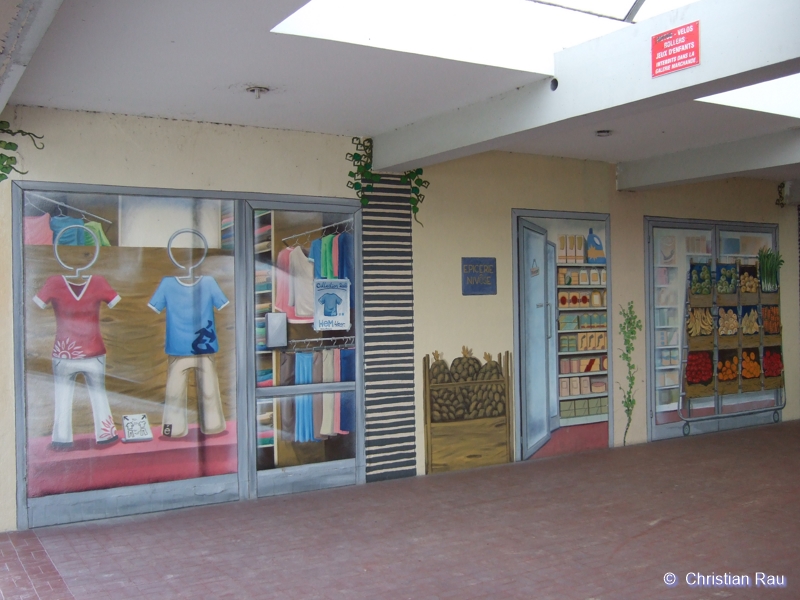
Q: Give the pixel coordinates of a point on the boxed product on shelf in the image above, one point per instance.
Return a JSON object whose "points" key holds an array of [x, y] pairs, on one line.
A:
{"points": [[575, 365], [568, 322], [598, 406], [586, 385], [581, 408], [604, 363], [601, 341], [563, 388], [574, 386], [588, 365], [562, 250], [563, 299], [583, 277], [597, 299], [671, 377], [585, 320], [594, 277], [580, 248], [566, 409], [571, 249], [564, 366], [568, 343], [599, 385]]}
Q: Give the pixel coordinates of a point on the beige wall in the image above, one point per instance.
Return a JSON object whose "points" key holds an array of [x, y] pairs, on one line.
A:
{"points": [[120, 150], [467, 212]]}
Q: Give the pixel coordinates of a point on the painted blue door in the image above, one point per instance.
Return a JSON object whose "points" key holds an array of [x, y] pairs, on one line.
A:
{"points": [[535, 326]]}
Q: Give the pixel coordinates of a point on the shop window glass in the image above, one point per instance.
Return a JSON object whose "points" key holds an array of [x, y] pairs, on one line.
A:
{"points": [[129, 351]]}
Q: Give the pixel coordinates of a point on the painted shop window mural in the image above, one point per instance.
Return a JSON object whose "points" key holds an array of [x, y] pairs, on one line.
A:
{"points": [[715, 304], [304, 275], [129, 340]]}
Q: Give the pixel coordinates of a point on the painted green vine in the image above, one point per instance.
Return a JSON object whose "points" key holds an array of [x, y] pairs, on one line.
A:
{"points": [[363, 178], [8, 163], [629, 327]]}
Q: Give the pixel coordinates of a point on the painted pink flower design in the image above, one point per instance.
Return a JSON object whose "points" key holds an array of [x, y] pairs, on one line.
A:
{"points": [[67, 349], [108, 430]]}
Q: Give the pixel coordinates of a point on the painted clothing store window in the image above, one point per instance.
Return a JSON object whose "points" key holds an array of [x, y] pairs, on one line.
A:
{"points": [[129, 340], [304, 284]]}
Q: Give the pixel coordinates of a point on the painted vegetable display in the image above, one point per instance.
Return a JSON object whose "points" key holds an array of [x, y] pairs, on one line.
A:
{"points": [[701, 280], [728, 370], [773, 365], [772, 319], [750, 367], [465, 367], [699, 368], [769, 266]]}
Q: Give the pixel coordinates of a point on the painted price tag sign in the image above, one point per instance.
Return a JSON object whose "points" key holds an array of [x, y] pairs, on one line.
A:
{"points": [[676, 49], [478, 276]]}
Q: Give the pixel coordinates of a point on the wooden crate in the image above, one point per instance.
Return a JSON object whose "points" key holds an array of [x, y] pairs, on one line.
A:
{"points": [[468, 443]]}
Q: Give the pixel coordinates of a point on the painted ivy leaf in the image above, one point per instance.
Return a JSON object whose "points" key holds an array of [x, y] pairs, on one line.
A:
{"points": [[3, 177], [418, 172], [364, 201], [357, 186], [415, 190], [356, 156], [415, 209], [5, 169], [4, 124]]}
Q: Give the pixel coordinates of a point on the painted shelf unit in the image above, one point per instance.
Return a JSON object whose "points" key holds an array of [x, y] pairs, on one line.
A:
{"points": [[737, 354], [582, 342], [263, 286]]}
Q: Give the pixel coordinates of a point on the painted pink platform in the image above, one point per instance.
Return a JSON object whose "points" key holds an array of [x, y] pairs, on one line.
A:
{"points": [[87, 466]]}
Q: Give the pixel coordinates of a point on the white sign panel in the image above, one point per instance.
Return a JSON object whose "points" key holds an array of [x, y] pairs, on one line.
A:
{"points": [[331, 304], [136, 428]]}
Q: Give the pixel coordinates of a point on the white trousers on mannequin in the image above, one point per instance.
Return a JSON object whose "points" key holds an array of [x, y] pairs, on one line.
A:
{"points": [[65, 370]]}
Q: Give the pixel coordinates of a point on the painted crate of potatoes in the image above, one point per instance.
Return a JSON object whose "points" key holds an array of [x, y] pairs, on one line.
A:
{"points": [[467, 407]]}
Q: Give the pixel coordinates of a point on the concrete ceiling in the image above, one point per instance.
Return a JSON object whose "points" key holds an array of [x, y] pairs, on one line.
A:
{"points": [[193, 60]]}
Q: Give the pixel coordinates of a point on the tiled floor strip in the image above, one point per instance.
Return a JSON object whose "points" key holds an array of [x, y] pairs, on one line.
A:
{"points": [[26, 571]]}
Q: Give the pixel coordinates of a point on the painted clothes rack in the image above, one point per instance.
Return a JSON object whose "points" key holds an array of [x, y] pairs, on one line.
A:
{"points": [[85, 213], [348, 227]]}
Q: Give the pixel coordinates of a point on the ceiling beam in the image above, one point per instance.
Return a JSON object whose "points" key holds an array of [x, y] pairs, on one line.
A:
{"points": [[742, 43], [776, 150], [24, 33]]}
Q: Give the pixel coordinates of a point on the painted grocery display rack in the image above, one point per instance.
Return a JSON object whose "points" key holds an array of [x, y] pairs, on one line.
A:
{"points": [[582, 343], [727, 349]]}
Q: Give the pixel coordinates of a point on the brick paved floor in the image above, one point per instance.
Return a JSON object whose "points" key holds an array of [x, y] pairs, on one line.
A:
{"points": [[606, 524]]}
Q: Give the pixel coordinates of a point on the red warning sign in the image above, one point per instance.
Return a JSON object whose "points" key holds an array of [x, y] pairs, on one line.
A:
{"points": [[676, 49]]}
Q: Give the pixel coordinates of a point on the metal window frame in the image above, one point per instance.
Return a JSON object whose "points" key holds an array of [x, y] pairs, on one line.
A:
{"points": [[516, 215], [139, 499], [672, 430]]}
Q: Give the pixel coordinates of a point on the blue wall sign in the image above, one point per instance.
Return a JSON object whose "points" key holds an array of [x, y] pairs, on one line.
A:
{"points": [[478, 276]]}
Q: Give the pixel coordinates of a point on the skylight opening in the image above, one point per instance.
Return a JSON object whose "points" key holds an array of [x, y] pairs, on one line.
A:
{"points": [[778, 97], [512, 34]]}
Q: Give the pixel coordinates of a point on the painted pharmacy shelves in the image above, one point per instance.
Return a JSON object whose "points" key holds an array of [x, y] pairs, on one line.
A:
{"points": [[581, 295]]}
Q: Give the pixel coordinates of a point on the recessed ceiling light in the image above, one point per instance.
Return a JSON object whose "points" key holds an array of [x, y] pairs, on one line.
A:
{"points": [[603, 132], [257, 90]]}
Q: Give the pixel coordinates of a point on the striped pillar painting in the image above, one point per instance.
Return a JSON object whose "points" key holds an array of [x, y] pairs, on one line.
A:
{"points": [[388, 332]]}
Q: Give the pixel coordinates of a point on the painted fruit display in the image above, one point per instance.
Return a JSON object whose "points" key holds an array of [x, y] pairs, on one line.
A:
{"points": [[750, 367], [728, 322], [773, 365], [701, 281], [750, 322], [726, 283], [728, 370], [700, 322], [699, 368]]}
